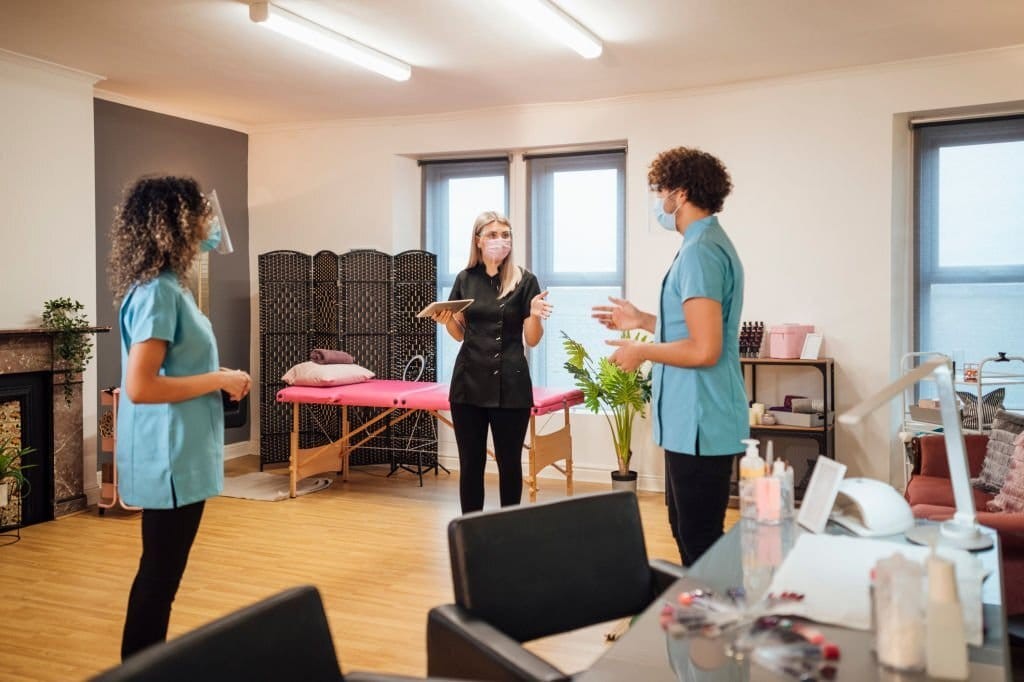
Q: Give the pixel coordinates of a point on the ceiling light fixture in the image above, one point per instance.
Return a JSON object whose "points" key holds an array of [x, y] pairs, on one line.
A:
{"points": [[305, 31], [560, 26]]}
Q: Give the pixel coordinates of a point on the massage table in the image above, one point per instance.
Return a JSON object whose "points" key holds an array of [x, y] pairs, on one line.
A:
{"points": [[416, 396]]}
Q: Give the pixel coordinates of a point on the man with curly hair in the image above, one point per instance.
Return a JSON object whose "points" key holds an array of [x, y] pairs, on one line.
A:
{"points": [[170, 421], [699, 402]]}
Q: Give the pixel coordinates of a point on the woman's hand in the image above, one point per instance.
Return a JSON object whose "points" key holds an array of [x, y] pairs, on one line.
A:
{"points": [[236, 383], [628, 354], [539, 307], [622, 315], [442, 317]]}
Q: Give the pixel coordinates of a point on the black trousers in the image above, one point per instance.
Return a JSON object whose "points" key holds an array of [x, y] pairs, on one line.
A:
{"points": [[508, 428], [167, 536], [698, 494]]}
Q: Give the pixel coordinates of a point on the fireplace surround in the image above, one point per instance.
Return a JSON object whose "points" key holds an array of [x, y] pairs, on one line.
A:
{"points": [[31, 378]]}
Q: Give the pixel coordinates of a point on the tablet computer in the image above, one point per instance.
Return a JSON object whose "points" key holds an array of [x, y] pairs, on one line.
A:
{"points": [[438, 306]]}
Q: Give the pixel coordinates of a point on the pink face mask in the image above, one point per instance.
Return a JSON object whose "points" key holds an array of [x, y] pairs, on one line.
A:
{"points": [[497, 249]]}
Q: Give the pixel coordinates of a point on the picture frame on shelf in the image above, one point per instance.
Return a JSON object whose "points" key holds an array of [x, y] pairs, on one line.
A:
{"points": [[812, 346]]}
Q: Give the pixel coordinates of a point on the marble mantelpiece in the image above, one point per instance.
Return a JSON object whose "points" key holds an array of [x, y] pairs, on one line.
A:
{"points": [[31, 350]]}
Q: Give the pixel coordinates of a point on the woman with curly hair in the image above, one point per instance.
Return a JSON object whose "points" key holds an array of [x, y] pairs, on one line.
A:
{"points": [[170, 421], [699, 402]]}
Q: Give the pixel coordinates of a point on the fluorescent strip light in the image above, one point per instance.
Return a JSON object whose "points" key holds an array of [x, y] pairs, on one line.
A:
{"points": [[305, 31], [560, 26]]}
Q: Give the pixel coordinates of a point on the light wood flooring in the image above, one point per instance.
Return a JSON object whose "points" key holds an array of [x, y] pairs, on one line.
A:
{"points": [[375, 547]]}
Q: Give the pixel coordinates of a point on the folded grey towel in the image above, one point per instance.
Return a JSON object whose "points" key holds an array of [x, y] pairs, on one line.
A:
{"points": [[1000, 448], [1008, 421], [1001, 436], [326, 356]]}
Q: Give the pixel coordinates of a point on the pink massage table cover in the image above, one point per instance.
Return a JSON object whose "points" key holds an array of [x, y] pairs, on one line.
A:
{"points": [[413, 395]]}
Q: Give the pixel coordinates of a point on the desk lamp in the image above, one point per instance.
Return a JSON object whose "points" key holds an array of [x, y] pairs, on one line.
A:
{"points": [[962, 530]]}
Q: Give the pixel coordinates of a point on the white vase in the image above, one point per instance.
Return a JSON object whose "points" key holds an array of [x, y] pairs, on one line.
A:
{"points": [[4, 493]]}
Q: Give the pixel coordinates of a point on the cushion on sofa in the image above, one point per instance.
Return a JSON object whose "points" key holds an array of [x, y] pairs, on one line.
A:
{"points": [[991, 402], [1005, 427], [1011, 495], [933, 460]]}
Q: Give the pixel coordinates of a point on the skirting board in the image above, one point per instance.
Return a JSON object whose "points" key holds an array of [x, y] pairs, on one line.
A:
{"points": [[646, 482], [239, 449]]}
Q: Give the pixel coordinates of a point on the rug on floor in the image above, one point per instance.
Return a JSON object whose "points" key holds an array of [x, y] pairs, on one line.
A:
{"points": [[260, 485]]}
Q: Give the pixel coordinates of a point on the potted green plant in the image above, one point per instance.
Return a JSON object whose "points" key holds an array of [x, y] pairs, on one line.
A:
{"points": [[621, 395], [11, 469], [72, 344]]}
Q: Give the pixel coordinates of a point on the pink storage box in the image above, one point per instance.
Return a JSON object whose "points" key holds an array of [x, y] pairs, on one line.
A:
{"points": [[785, 341]]}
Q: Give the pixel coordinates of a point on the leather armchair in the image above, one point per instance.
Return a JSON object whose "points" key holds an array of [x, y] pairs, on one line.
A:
{"points": [[930, 495], [283, 637], [522, 573]]}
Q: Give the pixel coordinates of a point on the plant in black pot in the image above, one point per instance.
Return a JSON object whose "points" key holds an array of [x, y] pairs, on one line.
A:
{"points": [[622, 396], [12, 479]]}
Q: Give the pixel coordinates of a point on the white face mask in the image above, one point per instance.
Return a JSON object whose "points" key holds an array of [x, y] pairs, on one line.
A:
{"points": [[666, 220], [497, 249]]}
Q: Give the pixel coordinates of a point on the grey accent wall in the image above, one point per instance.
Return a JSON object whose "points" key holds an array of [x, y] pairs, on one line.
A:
{"points": [[132, 142]]}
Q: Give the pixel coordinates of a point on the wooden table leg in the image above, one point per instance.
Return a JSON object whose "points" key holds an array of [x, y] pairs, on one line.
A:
{"points": [[293, 455], [568, 454], [532, 480]]}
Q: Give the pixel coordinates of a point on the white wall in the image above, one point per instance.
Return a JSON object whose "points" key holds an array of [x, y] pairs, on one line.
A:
{"points": [[47, 202], [812, 213]]}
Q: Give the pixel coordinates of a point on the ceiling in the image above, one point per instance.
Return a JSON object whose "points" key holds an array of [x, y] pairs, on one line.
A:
{"points": [[205, 57]]}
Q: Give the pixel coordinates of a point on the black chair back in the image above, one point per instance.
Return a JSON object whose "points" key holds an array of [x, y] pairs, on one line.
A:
{"points": [[541, 569], [283, 637]]}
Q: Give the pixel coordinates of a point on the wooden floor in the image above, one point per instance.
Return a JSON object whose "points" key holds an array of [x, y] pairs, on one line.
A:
{"points": [[375, 547]]}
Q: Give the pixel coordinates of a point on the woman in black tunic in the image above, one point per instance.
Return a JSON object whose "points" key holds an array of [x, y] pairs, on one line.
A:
{"points": [[491, 384]]}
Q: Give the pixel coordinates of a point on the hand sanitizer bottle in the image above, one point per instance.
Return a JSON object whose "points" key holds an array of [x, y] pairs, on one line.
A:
{"points": [[751, 469]]}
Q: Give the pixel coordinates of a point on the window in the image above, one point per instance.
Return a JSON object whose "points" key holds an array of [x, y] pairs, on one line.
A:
{"points": [[577, 250], [454, 194], [575, 239], [969, 246]]}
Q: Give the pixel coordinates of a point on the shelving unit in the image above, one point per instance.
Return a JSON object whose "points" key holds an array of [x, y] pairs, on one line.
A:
{"points": [[109, 495], [989, 376], [824, 436]]}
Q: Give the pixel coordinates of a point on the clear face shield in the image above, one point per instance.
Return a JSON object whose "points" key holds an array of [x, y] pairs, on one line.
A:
{"points": [[225, 246]]}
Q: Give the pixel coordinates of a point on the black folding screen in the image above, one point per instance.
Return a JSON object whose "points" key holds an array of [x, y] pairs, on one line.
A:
{"points": [[363, 302]]}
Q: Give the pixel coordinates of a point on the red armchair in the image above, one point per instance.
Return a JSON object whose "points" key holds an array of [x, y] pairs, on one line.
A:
{"points": [[930, 495]]}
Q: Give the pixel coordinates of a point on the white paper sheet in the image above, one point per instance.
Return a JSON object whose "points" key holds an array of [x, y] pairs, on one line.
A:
{"points": [[833, 573]]}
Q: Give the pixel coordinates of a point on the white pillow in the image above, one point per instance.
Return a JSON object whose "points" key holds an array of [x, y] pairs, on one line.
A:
{"points": [[313, 374]]}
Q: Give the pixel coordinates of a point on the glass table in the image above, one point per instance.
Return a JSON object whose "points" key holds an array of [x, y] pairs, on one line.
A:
{"points": [[749, 555]]}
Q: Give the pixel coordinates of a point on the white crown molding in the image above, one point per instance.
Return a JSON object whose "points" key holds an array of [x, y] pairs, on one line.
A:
{"points": [[146, 105], [25, 60], [645, 97]]}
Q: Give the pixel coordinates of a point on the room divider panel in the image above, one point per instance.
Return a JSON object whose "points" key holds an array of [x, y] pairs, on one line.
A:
{"points": [[363, 302]]}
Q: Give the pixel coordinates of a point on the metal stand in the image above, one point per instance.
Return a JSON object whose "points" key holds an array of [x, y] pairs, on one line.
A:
{"points": [[110, 398], [10, 532], [13, 494], [429, 442]]}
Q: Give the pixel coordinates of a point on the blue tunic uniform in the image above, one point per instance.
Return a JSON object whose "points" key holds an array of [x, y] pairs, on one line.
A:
{"points": [[705, 402], [169, 454]]}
